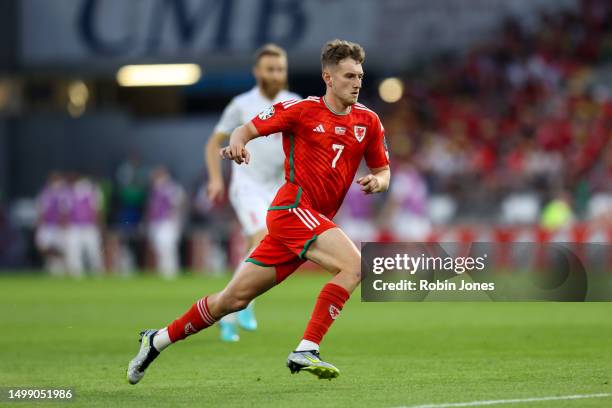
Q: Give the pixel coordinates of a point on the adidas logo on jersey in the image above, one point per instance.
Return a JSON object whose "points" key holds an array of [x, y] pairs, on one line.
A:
{"points": [[319, 129]]}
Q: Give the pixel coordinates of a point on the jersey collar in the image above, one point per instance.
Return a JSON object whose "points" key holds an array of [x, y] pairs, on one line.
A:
{"points": [[333, 111]]}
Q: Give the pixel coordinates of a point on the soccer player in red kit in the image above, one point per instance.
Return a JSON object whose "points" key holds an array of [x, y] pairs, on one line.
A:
{"points": [[324, 139]]}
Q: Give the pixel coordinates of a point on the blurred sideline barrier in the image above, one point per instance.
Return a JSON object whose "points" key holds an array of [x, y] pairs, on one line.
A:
{"points": [[204, 256]]}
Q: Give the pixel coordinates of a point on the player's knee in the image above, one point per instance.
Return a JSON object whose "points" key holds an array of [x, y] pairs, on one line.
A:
{"points": [[236, 302], [351, 268], [239, 304]]}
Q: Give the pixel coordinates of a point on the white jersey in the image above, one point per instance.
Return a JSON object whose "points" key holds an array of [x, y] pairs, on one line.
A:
{"points": [[267, 157]]}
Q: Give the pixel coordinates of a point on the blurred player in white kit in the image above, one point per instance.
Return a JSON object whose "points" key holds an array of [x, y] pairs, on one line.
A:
{"points": [[252, 187], [164, 217]]}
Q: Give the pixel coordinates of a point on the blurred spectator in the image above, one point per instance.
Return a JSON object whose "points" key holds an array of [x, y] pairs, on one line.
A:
{"points": [[130, 195], [558, 214], [53, 213], [83, 235], [132, 179], [406, 207], [164, 217]]}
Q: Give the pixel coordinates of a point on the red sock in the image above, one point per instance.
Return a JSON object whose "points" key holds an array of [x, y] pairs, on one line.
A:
{"points": [[197, 318], [326, 310]]}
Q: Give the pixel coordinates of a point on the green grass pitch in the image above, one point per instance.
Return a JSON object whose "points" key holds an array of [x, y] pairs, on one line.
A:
{"points": [[81, 334]]}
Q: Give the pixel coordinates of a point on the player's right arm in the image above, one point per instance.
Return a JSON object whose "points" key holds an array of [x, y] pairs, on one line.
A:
{"points": [[236, 149], [215, 186], [281, 117]]}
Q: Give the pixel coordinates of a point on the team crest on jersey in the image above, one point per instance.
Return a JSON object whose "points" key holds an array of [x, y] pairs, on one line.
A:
{"points": [[267, 113], [360, 132]]}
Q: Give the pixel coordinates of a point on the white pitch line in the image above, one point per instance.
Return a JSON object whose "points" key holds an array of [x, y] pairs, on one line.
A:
{"points": [[509, 401]]}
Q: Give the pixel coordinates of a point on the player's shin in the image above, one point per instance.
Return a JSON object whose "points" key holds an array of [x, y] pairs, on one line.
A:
{"points": [[197, 318]]}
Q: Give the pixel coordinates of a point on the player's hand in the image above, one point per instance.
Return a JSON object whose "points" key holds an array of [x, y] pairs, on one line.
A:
{"points": [[215, 190], [236, 152], [369, 184]]}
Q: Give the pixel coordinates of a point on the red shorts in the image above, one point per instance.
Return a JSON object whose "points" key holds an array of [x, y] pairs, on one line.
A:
{"points": [[292, 227]]}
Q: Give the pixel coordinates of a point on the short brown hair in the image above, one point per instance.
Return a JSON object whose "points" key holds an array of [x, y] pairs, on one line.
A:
{"points": [[269, 49], [336, 50]]}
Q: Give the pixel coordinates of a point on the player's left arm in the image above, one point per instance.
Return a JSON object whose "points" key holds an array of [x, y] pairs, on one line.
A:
{"points": [[377, 181], [377, 159]]}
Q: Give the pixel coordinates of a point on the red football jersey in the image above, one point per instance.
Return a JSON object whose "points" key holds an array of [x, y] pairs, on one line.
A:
{"points": [[323, 149]]}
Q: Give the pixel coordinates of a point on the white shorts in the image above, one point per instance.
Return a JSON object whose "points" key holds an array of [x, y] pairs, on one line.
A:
{"points": [[50, 237], [251, 202], [164, 233]]}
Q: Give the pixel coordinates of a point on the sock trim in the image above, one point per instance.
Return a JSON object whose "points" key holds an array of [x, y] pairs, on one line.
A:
{"points": [[208, 311], [307, 345], [202, 305], [337, 290]]}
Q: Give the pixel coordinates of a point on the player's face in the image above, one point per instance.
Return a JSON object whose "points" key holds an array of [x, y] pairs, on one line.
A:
{"points": [[345, 81], [271, 74]]}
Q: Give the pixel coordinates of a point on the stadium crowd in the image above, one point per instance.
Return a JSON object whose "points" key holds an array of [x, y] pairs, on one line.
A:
{"points": [[524, 112]]}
